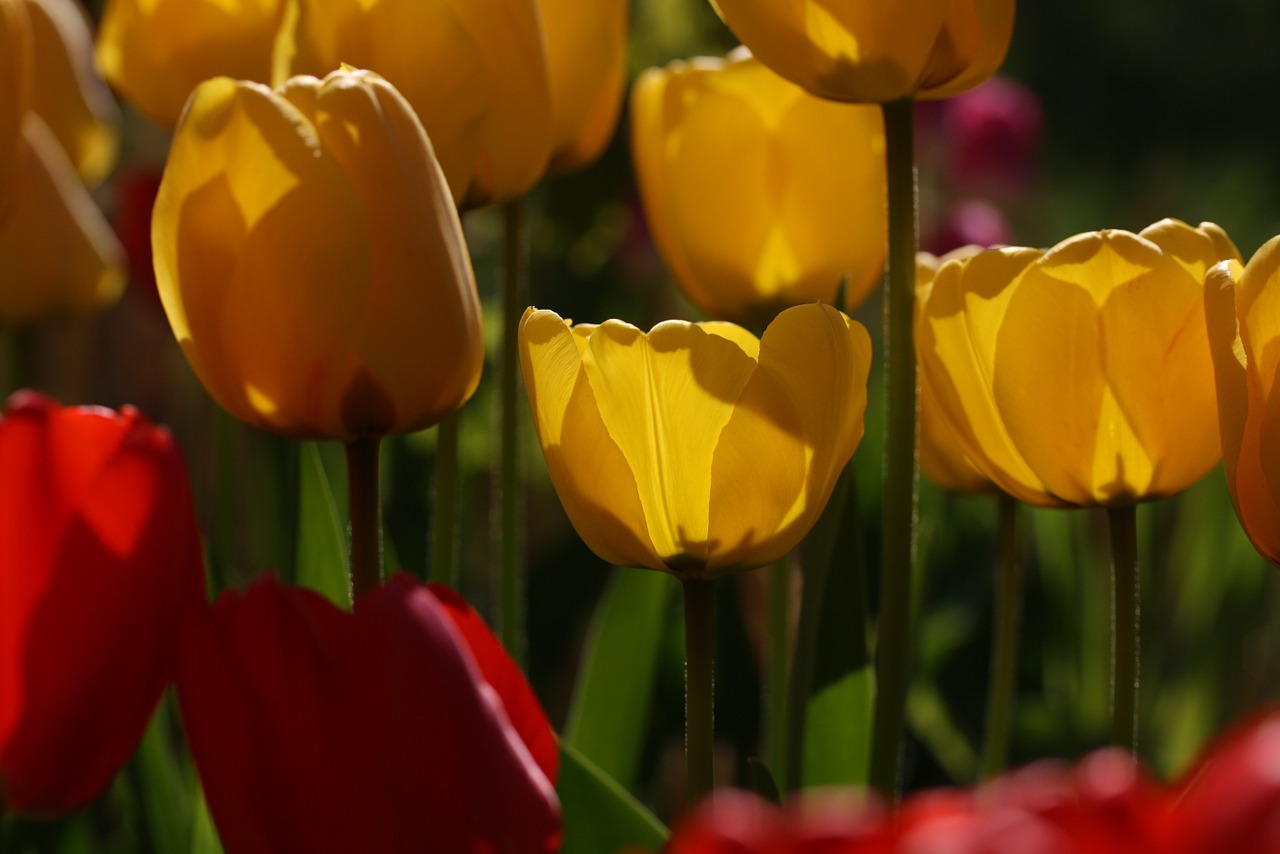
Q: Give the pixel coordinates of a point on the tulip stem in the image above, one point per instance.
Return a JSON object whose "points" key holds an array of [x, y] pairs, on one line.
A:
{"points": [[444, 527], [1125, 620], [699, 634], [778, 656], [893, 643], [511, 588], [365, 515], [1004, 647]]}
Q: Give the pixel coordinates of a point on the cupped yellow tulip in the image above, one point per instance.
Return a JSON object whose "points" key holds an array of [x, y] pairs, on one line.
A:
{"points": [[1080, 375], [68, 94], [586, 66], [311, 261], [696, 448], [1242, 305], [874, 52], [474, 70], [759, 196], [15, 94], [154, 52], [942, 458], [57, 252]]}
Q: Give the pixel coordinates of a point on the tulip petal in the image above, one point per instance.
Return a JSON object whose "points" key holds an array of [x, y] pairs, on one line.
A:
{"points": [[794, 427], [971, 48], [665, 397], [584, 461]]}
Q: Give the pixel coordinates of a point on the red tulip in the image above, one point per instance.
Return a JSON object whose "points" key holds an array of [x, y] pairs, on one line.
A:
{"points": [[99, 562], [314, 729]]}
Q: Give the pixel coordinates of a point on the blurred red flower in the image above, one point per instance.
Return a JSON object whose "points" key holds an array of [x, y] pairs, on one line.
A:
{"points": [[314, 729], [99, 563]]}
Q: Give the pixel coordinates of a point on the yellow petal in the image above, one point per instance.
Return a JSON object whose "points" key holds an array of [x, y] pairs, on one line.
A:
{"points": [[590, 474], [665, 397], [942, 459], [972, 47], [58, 253], [793, 429], [69, 95], [154, 52]]}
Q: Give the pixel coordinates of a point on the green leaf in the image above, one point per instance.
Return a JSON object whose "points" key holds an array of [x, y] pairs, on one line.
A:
{"points": [[322, 539], [610, 714], [600, 816], [762, 781], [164, 784], [204, 836]]}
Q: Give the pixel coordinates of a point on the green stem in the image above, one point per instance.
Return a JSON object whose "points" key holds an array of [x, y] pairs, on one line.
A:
{"points": [[1125, 619], [1004, 647], [511, 591], [699, 633], [893, 644], [365, 514], [444, 526], [777, 666]]}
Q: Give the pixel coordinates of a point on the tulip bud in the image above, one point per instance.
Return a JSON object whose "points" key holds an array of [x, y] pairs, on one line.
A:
{"points": [[311, 261], [696, 448], [798, 207], [1080, 375], [850, 50], [474, 70], [314, 729], [99, 564], [155, 52]]}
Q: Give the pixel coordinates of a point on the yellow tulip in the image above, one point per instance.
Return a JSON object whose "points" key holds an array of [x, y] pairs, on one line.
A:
{"points": [[154, 52], [759, 196], [696, 448], [874, 52], [311, 261], [474, 70], [68, 93], [942, 458], [1242, 305], [1079, 375], [586, 66], [57, 252], [15, 94]]}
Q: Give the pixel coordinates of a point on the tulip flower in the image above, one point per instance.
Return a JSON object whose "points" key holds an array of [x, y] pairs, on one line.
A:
{"points": [[311, 262], [314, 729], [57, 251], [851, 50], [759, 195], [68, 93], [155, 52], [15, 95], [1079, 375], [475, 72], [1240, 303], [586, 69], [696, 448], [99, 564]]}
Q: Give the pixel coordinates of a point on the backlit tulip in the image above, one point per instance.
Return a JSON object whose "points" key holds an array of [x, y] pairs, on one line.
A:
{"points": [[57, 252], [1079, 375], [68, 94], [99, 564], [853, 50], [474, 70], [15, 94], [154, 52], [311, 261], [1243, 305], [586, 68], [314, 729], [696, 448], [759, 196]]}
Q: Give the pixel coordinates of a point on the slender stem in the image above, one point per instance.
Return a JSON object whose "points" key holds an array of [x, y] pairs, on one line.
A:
{"points": [[893, 644], [777, 666], [699, 634], [511, 588], [1125, 619], [365, 514], [444, 526], [1004, 647]]}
